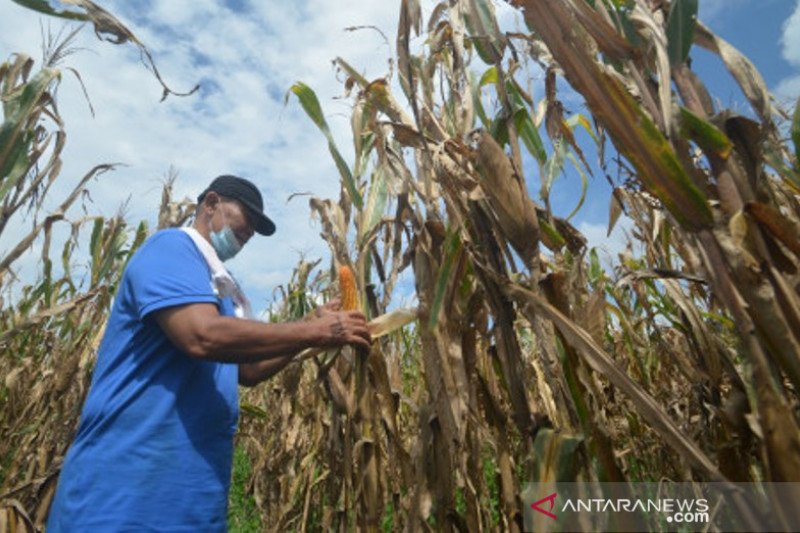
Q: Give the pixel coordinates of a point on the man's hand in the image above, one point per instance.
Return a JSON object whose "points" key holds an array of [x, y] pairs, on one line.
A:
{"points": [[342, 327], [333, 305]]}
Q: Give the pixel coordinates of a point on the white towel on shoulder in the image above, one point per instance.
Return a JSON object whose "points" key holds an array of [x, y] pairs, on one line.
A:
{"points": [[222, 280]]}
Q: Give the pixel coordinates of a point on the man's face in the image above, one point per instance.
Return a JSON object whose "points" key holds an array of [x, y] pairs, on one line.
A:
{"points": [[232, 213]]}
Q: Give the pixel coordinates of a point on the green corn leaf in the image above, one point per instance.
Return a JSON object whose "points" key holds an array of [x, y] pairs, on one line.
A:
{"points": [[796, 134], [555, 455], [723, 320], [580, 120], [530, 135], [19, 107], [707, 136], [360, 126], [524, 123], [376, 205], [96, 248], [367, 145], [499, 129], [482, 27], [550, 235], [515, 95], [17, 163], [687, 203], [490, 76], [111, 252], [138, 239], [65, 288], [680, 30], [477, 101], [596, 271], [352, 72], [43, 6], [584, 184], [553, 167], [452, 249], [48, 281], [252, 410], [308, 99], [628, 29], [66, 254], [776, 160]]}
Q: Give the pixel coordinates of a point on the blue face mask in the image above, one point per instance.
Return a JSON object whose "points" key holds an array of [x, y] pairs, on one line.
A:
{"points": [[225, 243]]}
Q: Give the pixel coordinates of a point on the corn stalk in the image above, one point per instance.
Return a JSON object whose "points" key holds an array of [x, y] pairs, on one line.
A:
{"points": [[681, 362], [49, 318]]}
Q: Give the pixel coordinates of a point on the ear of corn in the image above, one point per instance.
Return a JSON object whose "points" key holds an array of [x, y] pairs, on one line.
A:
{"points": [[347, 288]]}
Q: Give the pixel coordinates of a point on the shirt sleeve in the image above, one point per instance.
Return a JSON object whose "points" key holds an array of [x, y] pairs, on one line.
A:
{"points": [[166, 271]]}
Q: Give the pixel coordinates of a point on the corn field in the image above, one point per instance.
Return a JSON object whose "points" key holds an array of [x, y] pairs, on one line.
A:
{"points": [[525, 357]]}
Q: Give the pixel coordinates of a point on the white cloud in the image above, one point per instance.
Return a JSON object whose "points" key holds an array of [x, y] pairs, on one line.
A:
{"points": [[245, 62], [788, 90], [609, 247]]}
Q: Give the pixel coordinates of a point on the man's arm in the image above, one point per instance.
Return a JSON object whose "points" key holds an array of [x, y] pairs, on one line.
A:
{"points": [[251, 374], [200, 331]]}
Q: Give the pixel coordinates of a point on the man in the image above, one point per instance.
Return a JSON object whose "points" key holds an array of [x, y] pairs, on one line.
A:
{"points": [[154, 445]]}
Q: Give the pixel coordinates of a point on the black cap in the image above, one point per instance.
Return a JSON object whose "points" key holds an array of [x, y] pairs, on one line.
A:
{"points": [[247, 193]]}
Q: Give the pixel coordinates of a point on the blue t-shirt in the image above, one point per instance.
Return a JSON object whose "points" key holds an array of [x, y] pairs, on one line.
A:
{"points": [[154, 445]]}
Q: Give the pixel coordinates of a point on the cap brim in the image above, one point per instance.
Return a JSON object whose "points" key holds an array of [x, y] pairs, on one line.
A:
{"points": [[262, 223]]}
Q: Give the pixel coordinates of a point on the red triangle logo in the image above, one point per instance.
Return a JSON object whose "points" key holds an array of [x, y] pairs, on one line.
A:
{"points": [[551, 499]]}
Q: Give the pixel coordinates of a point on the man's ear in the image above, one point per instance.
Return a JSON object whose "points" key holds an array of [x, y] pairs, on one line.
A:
{"points": [[211, 200]]}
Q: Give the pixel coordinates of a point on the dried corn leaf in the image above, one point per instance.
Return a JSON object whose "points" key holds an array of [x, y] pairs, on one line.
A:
{"points": [[645, 404]]}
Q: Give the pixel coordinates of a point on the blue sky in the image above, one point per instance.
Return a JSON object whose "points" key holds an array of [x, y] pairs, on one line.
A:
{"points": [[755, 28], [246, 55]]}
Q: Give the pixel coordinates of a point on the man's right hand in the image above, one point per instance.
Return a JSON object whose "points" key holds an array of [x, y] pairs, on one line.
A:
{"points": [[198, 330], [343, 327]]}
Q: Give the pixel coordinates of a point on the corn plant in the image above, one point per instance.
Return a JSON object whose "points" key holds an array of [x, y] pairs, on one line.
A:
{"points": [[680, 362], [50, 319], [527, 359], [51, 325]]}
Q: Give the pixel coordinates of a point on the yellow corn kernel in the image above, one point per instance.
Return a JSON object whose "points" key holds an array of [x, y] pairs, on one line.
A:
{"points": [[347, 289]]}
